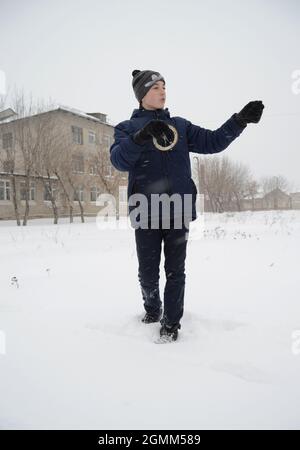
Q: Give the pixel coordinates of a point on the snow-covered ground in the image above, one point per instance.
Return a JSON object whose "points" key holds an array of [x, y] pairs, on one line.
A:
{"points": [[74, 353]]}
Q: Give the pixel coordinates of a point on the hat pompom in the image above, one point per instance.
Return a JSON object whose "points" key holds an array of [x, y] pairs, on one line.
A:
{"points": [[135, 72]]}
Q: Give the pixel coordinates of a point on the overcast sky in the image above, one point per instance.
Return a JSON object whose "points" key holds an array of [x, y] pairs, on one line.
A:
{"points": [[216, 56]]}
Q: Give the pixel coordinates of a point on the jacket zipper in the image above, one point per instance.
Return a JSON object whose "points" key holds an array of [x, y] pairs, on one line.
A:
{"points": [[163, 157]]}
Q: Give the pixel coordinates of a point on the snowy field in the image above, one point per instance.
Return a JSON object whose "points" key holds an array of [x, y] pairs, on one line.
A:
{"points": [[74, 353]]}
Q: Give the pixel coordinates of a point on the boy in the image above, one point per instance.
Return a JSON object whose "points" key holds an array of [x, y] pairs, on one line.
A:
{"points": [[153, 172]]}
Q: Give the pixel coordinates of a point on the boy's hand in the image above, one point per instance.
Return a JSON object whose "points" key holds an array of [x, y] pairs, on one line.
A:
{"points": [[154, 128], [251, 113]]}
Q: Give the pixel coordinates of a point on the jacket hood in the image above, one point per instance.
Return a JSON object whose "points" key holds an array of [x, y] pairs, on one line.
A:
{"points": [[155, 114]]}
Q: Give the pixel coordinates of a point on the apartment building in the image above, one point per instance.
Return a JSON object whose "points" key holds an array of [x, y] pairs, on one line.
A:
{"points": [[57, 158]]}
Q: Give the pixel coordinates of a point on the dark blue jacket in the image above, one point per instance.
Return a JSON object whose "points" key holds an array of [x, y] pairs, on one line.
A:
{"points": [[152, 171]]}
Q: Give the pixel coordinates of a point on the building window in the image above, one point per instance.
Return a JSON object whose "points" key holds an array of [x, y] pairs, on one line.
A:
{"points": [[108, 170], [47, 192], [31, 195], [78, 164], [93, 170], [8, 166], [78, 194], [4, 190], [7, 140], [77, 135], [106, 141], [92, 137], [94, 193], [32, 191]]}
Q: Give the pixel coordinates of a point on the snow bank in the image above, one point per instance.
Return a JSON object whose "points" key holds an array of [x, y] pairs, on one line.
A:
{"points": [[74, 353]]}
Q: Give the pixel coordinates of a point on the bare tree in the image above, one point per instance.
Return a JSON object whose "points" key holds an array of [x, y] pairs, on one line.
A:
{"points": [[225, 183], [8, 158], [239, 182], [48, 158], [59, 160], [28, 132], [216, 182], [108, 178], [72, 174], [271, 183], [63, 172], [252, 187]]}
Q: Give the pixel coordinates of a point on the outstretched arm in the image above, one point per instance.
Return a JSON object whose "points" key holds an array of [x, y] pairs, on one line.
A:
{"points": [[202, 140]]}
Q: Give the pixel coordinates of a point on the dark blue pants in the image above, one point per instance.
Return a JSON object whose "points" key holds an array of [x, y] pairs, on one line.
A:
{"points": [[148, 246]]}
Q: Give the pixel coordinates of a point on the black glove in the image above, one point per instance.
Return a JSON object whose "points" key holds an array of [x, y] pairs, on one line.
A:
{"points": [[155, 128], [251, 113]]}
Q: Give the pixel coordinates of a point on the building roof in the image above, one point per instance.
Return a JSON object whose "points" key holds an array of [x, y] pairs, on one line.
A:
{"points": [[64, 108], [77, 112], [276, 191]]}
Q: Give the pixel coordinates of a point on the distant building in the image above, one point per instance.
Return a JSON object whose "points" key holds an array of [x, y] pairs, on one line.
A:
{"points": [[276, 199], [295, 200], [83, 135]]}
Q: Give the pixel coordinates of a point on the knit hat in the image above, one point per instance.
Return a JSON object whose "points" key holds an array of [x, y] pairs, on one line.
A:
{"points": [[143, 80]]}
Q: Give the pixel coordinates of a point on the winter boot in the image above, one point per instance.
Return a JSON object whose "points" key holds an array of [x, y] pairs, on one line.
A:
{"points": [[169, 332], [150, 318]]}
